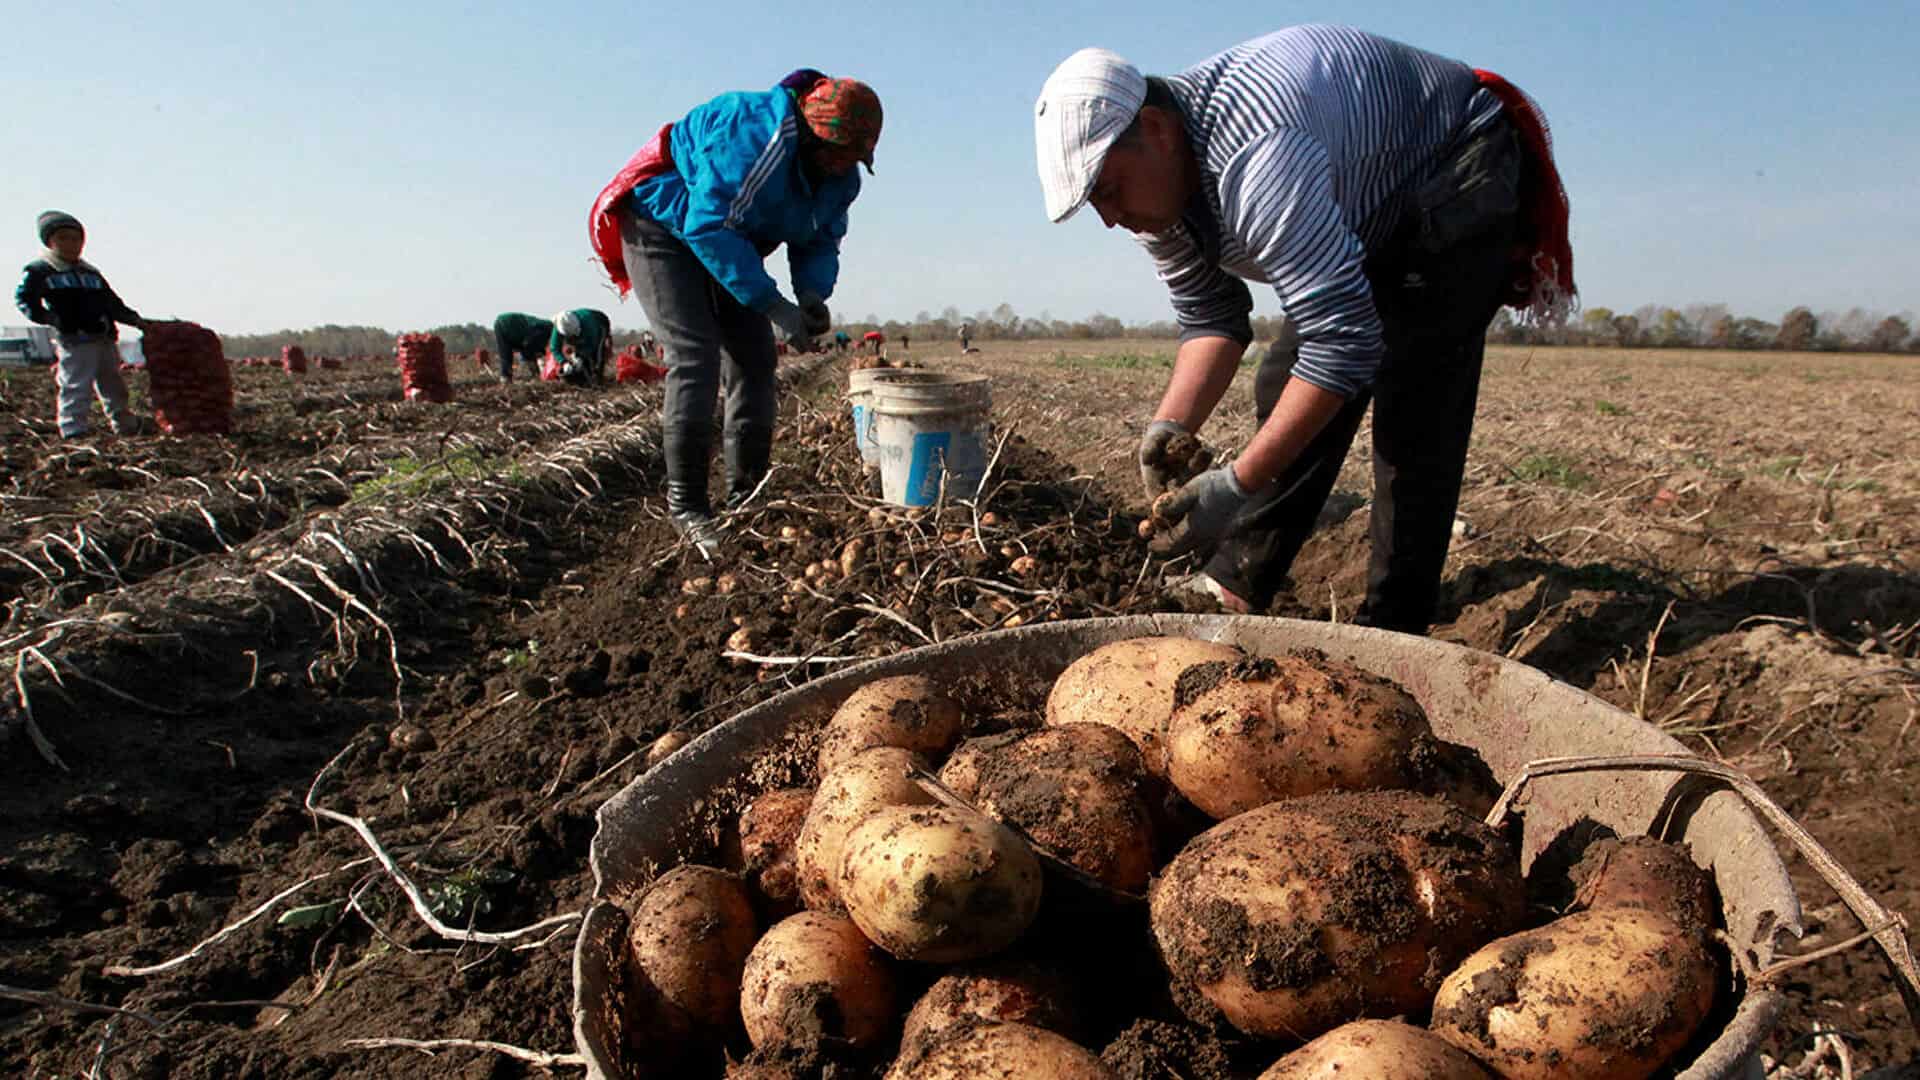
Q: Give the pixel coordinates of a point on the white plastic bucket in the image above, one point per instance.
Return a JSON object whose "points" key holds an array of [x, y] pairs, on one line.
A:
{"points": [[860, 386], [931, 432]]}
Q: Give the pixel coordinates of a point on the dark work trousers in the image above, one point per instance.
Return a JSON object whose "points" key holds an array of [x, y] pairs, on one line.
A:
{"points": [[506, 351], [710, 338], [1434, 306]]}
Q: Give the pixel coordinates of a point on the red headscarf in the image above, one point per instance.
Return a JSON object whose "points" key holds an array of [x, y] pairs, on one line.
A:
{"points": [[844, 112], [1544, 290]]}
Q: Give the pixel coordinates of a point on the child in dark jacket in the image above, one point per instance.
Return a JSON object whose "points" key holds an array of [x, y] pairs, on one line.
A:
{"points": [[67, 293]]}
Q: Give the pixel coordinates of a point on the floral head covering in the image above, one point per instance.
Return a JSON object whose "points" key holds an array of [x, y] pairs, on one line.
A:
{"points": [[844, 112]]}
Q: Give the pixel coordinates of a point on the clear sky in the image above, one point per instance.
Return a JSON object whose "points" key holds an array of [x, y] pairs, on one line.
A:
{"points": [[260, 165]]}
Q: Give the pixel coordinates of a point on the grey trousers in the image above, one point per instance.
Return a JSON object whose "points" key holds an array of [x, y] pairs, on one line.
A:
{"points": [[712, 340], [89, 366]]}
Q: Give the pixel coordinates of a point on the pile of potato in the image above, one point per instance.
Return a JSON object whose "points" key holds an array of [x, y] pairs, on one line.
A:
{"points": [[1273, 851]]}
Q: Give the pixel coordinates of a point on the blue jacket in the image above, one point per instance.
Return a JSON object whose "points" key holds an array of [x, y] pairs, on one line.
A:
{"points": [[737, 191]]}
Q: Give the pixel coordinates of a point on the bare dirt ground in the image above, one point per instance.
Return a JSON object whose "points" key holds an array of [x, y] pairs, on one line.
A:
{"points": [[201, 626]]}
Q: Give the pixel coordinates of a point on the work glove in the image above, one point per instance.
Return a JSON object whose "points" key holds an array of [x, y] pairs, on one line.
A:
{"points": [[1201, 514], [819, 319], [790, 324], [1157, 474]]}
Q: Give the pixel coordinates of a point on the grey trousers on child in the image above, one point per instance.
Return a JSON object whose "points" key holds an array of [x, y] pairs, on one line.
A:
{"points": [[89, 365], [711, 339]]}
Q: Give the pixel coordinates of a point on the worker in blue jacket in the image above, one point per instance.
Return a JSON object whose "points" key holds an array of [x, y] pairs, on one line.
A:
{"points": [[686, 225]]}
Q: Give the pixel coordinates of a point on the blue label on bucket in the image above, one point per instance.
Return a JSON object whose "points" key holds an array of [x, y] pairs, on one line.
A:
{"points": [[860, 425], [936, 454]]}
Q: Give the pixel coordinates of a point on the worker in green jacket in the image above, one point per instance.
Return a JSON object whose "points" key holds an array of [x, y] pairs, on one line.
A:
{"points": [[519, 334], [581, 343]]}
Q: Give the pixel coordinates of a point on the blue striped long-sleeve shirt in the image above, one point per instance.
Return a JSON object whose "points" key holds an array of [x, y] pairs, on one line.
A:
{"points": [[1309, 142]]}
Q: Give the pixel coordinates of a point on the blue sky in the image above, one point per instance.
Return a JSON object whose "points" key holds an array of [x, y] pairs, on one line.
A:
{"points": [[256, 165]]}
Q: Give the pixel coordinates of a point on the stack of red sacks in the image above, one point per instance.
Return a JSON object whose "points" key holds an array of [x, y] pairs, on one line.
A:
{"points": [[423, 368], [631, 366], [191, 386], [294, 359]]}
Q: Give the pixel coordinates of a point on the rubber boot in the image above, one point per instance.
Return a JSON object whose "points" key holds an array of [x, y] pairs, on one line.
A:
{"points": [[749, 455]]}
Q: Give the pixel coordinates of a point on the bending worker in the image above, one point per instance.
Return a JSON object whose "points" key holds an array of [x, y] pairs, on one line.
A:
{"points": [[581, 342], [522, 335], [686, 225], [1394, 199]]}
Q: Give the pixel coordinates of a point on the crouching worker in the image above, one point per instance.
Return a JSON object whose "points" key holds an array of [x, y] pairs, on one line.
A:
{"points": [[67, 293], [581, 343], [516, 334], [686, 225]]}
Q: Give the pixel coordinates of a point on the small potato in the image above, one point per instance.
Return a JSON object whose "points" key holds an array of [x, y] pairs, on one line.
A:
{"points": [[1246, 734], [1301, 915], [814, 978], [873, 778], [1377, 1050], [688, 942], [1007, 991], [1129, 685], [978, 1051], [1608, 994], [769, 831], [665, 746], [938, 885], [907, 711], [1641, 872], [1077, 790]]}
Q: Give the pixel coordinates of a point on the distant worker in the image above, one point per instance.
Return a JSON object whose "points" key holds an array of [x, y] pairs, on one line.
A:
{"points": [[522, 335], [966, 336], [874, 342], [906, 341], [581, 343], [649, 345], [63, 291], [842, 341], [687, 224]]}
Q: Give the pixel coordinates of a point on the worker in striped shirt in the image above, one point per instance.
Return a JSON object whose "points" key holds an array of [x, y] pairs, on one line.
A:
{"points": [[1394, 200]]}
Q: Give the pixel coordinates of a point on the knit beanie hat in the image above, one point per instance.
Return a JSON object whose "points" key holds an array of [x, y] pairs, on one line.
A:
{"points": [[52, 221]]}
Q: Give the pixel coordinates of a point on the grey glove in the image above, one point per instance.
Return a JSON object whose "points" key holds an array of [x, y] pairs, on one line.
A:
{"points": [[790, 324], [1204, 512], [819, 319], [1157, 474]]}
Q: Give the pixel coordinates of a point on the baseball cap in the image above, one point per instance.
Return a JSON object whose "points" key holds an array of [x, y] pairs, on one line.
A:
{"points": [[1086, 103]]}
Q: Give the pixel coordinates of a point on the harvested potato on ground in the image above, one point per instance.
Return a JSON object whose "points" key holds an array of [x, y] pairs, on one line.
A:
{"points": [[1249, 733], [769, 831], [688, 941], [1608, 994], [938, 885], [874, 778], [1641, 872], [906, 711], [1078, 790], [971, 1051], [1129, 685], [666, 746], [814, 978], [961, 773], [1377, 1050], [1006, 991], [1301, 915]]}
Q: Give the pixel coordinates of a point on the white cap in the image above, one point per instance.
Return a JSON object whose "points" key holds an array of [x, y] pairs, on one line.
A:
{"points": [[567, 323], [1086, 103]]}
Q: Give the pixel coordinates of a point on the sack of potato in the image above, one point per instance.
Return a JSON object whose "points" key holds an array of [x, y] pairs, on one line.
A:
{"points": [[188, 378], [1193, 862], [293, 360], [423, 368]]}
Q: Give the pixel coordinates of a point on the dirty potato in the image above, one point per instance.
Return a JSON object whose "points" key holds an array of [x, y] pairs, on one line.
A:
{"points": [[1248, 733], [873, 778], [769, 831], [973, 1051], [1129, 685], [1002, 990], [907, 711], [1377, 1050], [1641, 872], [1302, 915], [814, 979], [1607, 994], [938, 884], [688, 941]]}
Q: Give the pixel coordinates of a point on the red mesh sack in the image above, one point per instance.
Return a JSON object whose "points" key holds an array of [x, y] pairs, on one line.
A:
{"points": [[550, 369], [188, 379], [331, 363], [482, 359], [631, 366], [294, 359], [423, 368]]}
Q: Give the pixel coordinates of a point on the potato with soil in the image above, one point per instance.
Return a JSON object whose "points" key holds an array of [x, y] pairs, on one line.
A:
{"points": [[872, 779], [1079, 790], [1377, 1050], [938, 885], [1249, 733], [1129, 685], [977, 1051], [907, 711], [769, 832], [814, 979], [1608, 994], [1301, 915], [1641, 872], [688, 942], [1004, 991]]}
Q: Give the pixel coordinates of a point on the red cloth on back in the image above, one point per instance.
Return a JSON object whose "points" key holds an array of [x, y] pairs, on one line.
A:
{"points": [[1546, 288], [603, 228]]}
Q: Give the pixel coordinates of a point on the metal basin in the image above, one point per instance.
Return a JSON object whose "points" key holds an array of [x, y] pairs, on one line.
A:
{"points": [[1510, 713]]}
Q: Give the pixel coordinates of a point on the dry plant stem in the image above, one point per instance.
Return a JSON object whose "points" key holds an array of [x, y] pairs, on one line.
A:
{"points": [[55, 1001], [407, 886], [231, 928], [40, 740], [1891, 933], [429, 1047]]}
